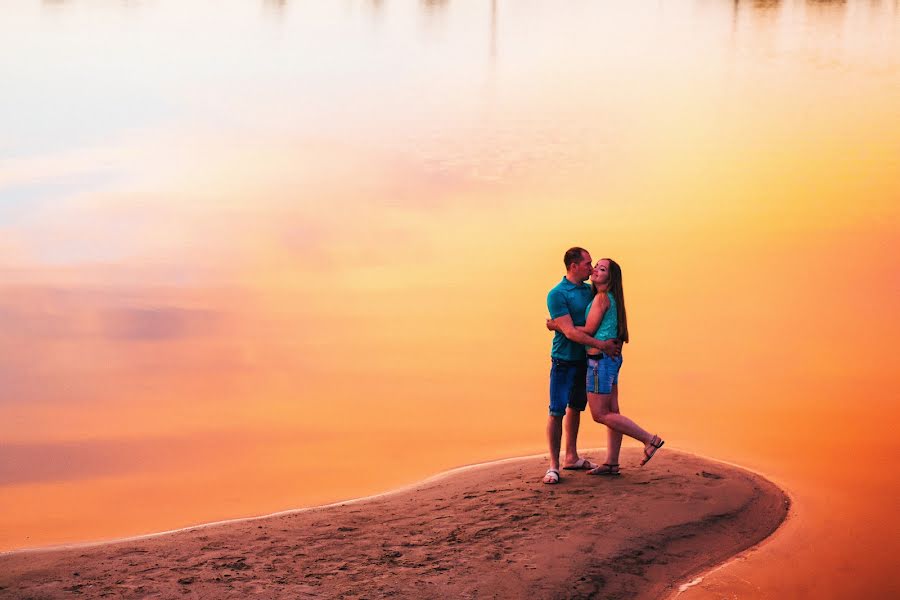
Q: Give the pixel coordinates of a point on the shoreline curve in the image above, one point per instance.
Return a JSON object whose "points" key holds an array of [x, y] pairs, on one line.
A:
{"points": [[488, 529], [700, 575], [289, 511]]}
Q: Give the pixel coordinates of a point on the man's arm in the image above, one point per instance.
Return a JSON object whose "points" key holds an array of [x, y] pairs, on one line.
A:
{"points": [[552, 326], [595, 316], [565, 326]]}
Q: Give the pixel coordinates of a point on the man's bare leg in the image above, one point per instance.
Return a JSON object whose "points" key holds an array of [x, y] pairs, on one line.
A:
{"points": [[554, 438]]}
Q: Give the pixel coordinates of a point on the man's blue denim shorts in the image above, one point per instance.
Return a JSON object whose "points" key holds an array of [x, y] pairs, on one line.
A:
{"points": [[602, 374], [566, 387]]}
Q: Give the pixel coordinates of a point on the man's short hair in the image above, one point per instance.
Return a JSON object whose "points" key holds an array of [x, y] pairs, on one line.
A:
{"points": [[573, 255]]}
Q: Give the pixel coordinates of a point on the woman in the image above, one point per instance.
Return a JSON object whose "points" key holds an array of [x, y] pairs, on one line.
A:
{"points": [[606, 320]]}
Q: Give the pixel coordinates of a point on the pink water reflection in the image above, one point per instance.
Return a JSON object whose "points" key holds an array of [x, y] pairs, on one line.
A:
{"points": [[264, 258]]}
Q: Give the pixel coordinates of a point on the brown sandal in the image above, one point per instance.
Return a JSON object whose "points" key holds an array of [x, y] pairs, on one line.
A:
{"points": [[655, 444], [606, 470]]}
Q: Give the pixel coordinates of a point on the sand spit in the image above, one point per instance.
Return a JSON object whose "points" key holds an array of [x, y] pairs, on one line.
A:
{"points": [[493, 531]]}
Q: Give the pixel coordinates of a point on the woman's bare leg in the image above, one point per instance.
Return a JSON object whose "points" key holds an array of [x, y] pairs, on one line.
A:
{"points": [[613, 437], [601, 405]]}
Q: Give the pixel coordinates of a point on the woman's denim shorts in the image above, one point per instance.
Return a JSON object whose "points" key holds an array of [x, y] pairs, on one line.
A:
{"points": [[602, 373]]}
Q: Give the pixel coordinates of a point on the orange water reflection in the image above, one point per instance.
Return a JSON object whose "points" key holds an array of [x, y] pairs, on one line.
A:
{"points": [[244, 297]]}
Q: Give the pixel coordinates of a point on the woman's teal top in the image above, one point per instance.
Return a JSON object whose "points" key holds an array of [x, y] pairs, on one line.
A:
{"points": [[609, 326]]}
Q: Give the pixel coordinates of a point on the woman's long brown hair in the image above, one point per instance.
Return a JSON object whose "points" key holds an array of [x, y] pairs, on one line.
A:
{"points": [[615, 287]]}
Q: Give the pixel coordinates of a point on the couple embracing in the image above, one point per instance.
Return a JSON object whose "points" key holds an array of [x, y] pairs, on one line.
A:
{"points": [[590, 326]]}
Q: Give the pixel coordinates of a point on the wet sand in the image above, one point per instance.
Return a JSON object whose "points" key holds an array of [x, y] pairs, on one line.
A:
{"points": [[487, 531]]}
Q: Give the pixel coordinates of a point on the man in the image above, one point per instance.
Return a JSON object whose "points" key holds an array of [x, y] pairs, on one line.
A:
{"points": [[567, 303]]}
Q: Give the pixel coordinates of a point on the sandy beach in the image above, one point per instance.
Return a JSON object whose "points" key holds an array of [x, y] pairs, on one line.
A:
{"points": [[487, 531]]}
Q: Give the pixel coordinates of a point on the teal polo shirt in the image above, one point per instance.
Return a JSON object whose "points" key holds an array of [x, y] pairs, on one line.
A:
{"points": [[568, 299]]}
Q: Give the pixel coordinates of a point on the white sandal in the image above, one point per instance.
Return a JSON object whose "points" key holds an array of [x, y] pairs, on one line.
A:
{"points": [[551, 477]]}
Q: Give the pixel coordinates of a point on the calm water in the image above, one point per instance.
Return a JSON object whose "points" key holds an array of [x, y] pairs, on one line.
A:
{"points": [[260, 255]]}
